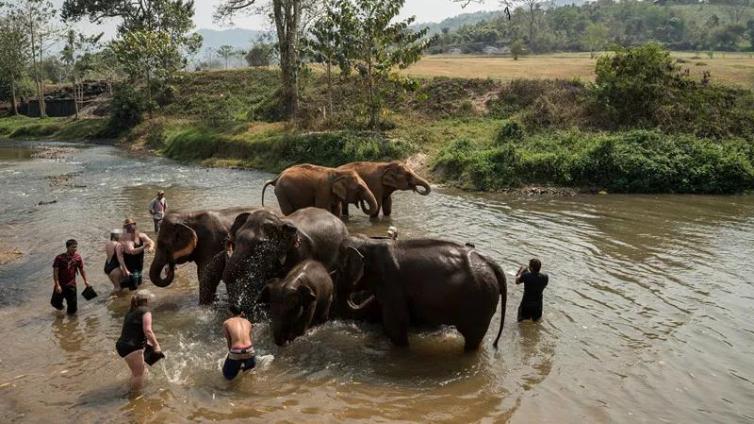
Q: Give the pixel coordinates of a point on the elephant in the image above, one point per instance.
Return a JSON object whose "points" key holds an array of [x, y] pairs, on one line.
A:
{"points": [[307, 185], [191, 237], [383, 178], [425, 282], [263, 245], [299, 301]]}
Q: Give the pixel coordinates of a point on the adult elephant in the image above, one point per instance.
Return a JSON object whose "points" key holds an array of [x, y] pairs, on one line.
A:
{"points": [[191, 237], [307, 185], [264, 245], [383, 178], [425, 282]]}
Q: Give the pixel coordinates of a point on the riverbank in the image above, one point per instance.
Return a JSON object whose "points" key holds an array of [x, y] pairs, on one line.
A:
{"points": [[482, 135]]}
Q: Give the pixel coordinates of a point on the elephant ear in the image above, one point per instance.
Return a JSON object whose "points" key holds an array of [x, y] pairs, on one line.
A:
{"points": [[340, 188], [390, 177], [307, 294], [237, 224], [354, 265]]}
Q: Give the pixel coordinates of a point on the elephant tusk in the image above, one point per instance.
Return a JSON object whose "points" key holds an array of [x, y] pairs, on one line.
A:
{"points": [[361, 305]]}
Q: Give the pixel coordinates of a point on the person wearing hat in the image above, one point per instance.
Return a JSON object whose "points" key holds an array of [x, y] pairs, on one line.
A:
{"points": [[134, 244], [158, 207], [135, 336]]}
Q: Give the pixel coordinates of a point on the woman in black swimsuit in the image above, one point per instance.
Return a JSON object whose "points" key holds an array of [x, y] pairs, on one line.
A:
{"points": [[136, 333], [113, 268]]}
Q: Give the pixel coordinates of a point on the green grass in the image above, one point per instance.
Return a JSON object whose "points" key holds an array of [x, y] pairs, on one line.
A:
{"points": [[50, 128]]}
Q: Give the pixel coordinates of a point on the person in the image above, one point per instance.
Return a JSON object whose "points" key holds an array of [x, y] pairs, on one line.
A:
{"points": [[134, 336], [158, 207], [115, 267], [534, 284], [134, 245], [241, 355], [64, 270]]}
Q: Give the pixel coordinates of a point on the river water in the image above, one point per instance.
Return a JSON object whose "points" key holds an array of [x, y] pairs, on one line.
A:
{"points": [[647, 315]]}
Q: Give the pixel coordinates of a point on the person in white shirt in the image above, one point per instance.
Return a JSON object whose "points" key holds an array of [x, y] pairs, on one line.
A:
{"points": [[158, 207]]}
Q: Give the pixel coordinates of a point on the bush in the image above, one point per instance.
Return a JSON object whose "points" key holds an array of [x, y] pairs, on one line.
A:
{"points": [[634, 161], [632, 84], [511, 130], [127, 109]]}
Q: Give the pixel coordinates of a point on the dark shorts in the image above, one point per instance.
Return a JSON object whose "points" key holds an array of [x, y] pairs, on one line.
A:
{"points": [[69, 295], [532, 311], [232, 367], [124, 349], [133, 281]]}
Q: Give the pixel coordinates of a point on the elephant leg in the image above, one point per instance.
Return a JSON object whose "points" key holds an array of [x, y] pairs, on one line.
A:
{"points": [[285, 206], [395, 321], [209, 278], [344, 209], [337, 209], [387, 205], [472, 337], [474, 329]]}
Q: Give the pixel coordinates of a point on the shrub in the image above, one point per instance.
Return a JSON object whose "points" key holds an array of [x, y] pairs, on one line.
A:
{"points": [[127, 109], [632, 84], [511, 130]]}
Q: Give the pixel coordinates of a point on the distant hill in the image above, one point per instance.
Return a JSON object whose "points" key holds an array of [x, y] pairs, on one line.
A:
{"points": [[238, 38], [458, 21]]}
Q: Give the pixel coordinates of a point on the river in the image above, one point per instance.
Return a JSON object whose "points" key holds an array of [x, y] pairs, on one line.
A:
{"points": [[647, 317]]}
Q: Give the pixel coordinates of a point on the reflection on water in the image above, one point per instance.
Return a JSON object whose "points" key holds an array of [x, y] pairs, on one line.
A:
{"points": [[646, 317]]}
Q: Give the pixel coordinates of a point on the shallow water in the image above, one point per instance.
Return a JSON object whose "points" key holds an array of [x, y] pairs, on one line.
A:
{"points": [[647, 316]]}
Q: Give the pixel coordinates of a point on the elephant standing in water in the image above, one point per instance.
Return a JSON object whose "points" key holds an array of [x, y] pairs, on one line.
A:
{"points": [[264, 246], [424, 282], [383, 178], [308, 185], [191, 237]]}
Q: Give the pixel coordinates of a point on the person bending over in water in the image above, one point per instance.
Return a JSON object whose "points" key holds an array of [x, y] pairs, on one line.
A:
{"points": [[134, 245], [136, 333], [240, 350], [534, 284]]}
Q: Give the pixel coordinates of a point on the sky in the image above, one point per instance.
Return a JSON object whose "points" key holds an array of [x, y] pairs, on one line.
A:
{"points": [[424, 10]]}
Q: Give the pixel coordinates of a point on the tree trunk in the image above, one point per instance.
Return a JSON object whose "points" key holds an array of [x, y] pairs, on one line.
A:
{"points": [[287, 17], [329, 86], [149, 96], [75, 99], [14, 103], [374, 109], [37, 77]]}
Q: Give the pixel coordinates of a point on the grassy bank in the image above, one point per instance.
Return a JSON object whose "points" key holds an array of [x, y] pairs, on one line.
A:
{"points": [[477, 134], [23, 127]]}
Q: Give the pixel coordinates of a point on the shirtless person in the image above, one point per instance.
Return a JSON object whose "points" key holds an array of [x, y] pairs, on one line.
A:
{"points": [[240, 350]]}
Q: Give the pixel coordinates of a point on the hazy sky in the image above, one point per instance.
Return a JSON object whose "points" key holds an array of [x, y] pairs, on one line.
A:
{"points": [[425, 11]]}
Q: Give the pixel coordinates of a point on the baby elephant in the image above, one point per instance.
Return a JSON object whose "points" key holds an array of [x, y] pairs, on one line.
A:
{"points": [[299, 301]]}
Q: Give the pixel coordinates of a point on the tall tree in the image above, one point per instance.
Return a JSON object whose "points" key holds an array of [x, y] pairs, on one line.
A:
{"points": [[379, 44], [330, 40], [288, 17], [37, 18], [76, 47], [226, 52], [14, 43], [595, 37]]}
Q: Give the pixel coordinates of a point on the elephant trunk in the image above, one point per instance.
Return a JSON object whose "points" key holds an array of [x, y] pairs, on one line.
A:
{"points": [[421, 182], [155, 270], [372, 206]]}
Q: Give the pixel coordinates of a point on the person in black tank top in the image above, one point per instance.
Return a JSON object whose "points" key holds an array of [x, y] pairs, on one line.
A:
{"points": [[534, 284], [134, 244], [135, 336]]}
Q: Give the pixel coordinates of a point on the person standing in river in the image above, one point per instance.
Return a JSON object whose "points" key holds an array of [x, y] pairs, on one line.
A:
{"points": [[134, 245], [134, 337], [64, 270], [115, 267], [241, 355], [158, 207], [534, 284]]}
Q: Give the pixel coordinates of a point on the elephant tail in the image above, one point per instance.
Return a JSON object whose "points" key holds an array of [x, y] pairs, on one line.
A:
{"points": [[503, 287], [268, 183]]}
